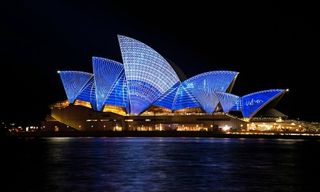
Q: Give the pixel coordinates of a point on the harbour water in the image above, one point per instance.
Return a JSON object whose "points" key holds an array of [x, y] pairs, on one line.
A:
{"points": [[159, 164]]}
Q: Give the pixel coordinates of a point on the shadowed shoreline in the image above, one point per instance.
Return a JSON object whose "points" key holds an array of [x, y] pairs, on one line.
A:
{"points": [[160, 134]]}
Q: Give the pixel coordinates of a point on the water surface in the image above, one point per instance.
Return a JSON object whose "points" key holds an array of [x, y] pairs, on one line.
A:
{"points": [[160, 164]]}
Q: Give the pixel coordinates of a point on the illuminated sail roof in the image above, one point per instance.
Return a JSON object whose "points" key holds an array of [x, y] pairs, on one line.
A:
{"points": [[253, 102], [178, 97], [119, 94], [148, 74], [88, 93], [105, 72], [198, 91], [73, 82], [167, 100], [145, 79], [228, 101], [204, 86], [184, 99]]}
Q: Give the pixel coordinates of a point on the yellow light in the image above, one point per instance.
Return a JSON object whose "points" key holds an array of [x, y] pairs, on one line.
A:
{"points": [[82, 103], [226, 128], [114, 109]]}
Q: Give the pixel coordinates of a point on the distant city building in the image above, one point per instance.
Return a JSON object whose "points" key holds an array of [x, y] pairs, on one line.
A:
{"points": [[146, 92]]}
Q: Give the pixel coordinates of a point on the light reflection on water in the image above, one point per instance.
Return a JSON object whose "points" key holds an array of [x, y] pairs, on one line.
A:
{"points": [[163, 164]]}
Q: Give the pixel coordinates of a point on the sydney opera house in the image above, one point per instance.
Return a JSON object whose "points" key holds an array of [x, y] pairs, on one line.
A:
{"points": [[147, 93]]}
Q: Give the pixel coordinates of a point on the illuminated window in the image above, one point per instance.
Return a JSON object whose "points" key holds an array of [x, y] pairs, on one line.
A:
{"points": [[83, 103], [114, 109]]}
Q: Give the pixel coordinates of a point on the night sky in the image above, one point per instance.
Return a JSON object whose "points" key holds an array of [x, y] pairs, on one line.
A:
{"points": [[272, 45]]}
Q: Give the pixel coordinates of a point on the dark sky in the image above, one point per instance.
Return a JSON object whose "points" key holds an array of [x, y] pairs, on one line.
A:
{"points": [[271, 44]]}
